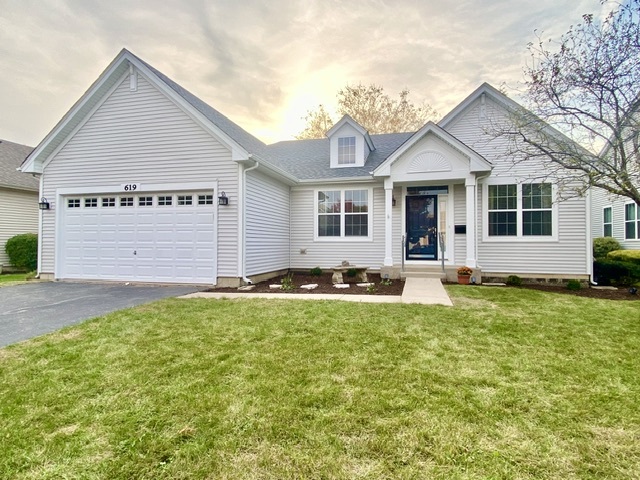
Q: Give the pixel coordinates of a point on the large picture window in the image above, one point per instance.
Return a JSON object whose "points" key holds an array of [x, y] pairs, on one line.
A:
{"points": [[520, 211], [343, 213], [631, 221]]}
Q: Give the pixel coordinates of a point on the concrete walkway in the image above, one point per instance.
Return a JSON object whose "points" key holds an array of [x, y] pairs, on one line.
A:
{"points": [[427, 291]]}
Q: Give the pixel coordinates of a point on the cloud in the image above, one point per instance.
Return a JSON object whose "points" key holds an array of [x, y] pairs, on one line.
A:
{"points": [[264, 64]]}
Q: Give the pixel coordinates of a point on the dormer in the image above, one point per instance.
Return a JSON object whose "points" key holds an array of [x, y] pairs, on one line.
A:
{"points": [[350, 144]]}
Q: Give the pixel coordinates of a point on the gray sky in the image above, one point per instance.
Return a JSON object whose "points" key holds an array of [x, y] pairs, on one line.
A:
{"points": [[264, 64]]}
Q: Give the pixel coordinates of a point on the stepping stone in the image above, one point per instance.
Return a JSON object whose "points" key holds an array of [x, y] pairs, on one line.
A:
{"points": [[246, 288], [341, 285], [310, 286], [364, 284], [275, 286]]}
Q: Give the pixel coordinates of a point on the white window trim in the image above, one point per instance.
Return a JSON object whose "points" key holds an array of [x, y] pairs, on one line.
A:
{"points": [[625, 221], [603, 222], [342, 237], [520, 238], [355, 156]]}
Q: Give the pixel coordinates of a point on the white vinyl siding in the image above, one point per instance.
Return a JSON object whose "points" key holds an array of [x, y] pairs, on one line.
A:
{"points": [[600, 200], [143, 137], [566, 255], [308, 252], [460, 218], [18, 214], [267, 224]]}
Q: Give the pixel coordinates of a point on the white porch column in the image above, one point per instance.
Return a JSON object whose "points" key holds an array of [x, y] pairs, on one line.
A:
{"points": [[388, 223], [470, 183]]}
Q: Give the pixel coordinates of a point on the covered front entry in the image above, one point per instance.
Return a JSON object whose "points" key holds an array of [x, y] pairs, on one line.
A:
{"points": [[422, 227]]}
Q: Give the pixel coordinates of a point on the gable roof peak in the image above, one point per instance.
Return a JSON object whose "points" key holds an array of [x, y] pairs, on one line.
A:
{"points": [[346, 118]]}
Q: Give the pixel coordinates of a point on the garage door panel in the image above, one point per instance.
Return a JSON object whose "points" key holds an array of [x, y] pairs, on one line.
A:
{"points": [[169, 243]]}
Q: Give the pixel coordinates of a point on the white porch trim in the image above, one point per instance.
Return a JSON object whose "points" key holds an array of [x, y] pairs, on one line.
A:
{"points": [[471, 198]]}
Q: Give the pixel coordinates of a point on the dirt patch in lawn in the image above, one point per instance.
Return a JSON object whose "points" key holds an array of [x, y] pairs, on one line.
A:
{"points": [[621, 293], [325, 285]]}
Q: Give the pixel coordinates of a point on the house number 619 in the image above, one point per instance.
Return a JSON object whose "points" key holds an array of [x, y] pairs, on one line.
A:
{"points": [[130, 187]]}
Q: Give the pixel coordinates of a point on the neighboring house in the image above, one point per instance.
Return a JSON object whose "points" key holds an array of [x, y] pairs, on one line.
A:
{"points": [[617, 217], [138, 171], [18, 196]]}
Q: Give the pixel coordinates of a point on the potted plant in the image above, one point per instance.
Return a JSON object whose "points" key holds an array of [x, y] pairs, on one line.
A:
{"points": [[464, 274]]}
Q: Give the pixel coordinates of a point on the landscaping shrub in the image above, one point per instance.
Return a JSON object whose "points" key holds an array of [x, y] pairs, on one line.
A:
{"points": [[316, 271], [514, 281], [615, 272], [287, 283], [603, 245], [631, 256], [352, 272], [22, 251], [574, 284]]}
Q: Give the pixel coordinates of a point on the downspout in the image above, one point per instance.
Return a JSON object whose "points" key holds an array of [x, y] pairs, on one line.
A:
{"points": [[243, 193], [40, 214], [589, 240]]}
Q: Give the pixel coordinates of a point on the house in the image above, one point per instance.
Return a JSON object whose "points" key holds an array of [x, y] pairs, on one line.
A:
{"points": [[148, 183], [18, 197]]}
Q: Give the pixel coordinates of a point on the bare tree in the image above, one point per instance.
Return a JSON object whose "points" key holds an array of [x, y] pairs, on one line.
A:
{"points": [[587, 85], [371, 108]]}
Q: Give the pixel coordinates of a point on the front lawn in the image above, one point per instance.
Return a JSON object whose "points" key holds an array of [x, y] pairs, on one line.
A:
{"points": [[507, 384], [12, 279]]}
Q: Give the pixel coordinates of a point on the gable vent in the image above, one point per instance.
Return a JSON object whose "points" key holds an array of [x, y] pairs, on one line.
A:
{"points": [[429, 162]]}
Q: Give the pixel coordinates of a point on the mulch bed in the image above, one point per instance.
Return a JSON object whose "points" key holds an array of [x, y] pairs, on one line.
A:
{"points": [[325, 286]]}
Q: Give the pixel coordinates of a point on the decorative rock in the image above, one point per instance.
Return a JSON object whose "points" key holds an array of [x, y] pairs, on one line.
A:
{"points": [[310, 286], [275, 286], [341, 285], [246, 288], [604, 287], [495, 284], [365, 284]]}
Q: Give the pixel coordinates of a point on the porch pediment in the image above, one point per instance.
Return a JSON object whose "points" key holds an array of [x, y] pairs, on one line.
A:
{"points": [[432, 153]]}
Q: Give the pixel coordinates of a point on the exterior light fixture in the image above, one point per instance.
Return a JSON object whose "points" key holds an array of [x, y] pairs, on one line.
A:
{"points": [[223, 199], [44, 205]]}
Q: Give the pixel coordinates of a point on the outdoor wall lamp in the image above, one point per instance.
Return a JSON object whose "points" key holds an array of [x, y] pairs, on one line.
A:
{"points": [[223, 199], [44, 205]]}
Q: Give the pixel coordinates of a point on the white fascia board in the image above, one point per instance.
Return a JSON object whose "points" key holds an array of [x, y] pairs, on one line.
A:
{"points": [[270, 169], [347, 119], [33, 163], [337, 180]]}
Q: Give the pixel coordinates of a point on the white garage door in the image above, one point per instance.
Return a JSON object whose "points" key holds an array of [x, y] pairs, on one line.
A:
{"points": [[146, 237]]}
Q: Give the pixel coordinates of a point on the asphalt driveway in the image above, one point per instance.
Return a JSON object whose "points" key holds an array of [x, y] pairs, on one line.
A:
{"points": [[33, 309]]}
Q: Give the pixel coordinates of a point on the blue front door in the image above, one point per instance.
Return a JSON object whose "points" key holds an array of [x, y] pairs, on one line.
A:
{"points": [[422, 227]]}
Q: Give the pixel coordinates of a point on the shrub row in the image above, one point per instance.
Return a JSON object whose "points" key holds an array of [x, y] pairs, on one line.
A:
{"points": [[615, 272]]}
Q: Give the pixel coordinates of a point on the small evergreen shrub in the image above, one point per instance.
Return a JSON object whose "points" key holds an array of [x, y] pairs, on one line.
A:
{"points": [[614, 272], [603, 245], [631, 256], [352, 272], [371, 289], [514, 281], [574, 284], [316, 271], [22, 251]]}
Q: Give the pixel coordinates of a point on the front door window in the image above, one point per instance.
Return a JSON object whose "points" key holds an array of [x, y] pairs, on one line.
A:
{"points": [[422, 227]]}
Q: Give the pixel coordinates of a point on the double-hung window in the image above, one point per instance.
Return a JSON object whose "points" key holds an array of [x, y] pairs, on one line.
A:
{"points": [[520, 210], [631, 221], [607, 222], [342, 213], [346, 150]]}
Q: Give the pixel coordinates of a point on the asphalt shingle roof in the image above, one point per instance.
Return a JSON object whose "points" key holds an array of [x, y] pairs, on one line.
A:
{"points": [[11, 157], [309, 159]]}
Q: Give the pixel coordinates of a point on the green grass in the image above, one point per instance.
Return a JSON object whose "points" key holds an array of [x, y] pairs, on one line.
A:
{"points": [[12, 279], [507, 384]]}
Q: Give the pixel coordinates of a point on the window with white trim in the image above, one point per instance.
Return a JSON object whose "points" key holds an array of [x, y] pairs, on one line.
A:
{"points": [[205, 199], [145, 201], [90, 202], [73, 203], [346, 150], [520, 210], [165, 200], [607, 222], [631, 221], [185, 200], [126, 201], [108, 201], [343, 213]]}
